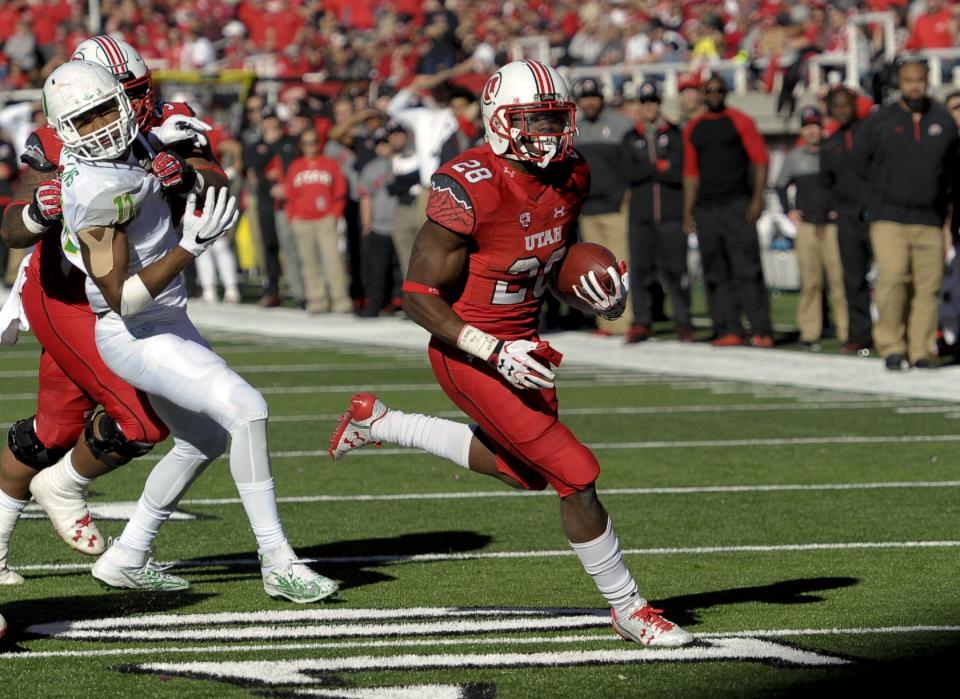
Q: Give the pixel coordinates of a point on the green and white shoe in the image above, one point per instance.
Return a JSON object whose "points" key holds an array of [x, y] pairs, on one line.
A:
{"points": [[121, 567], [285, 576]]}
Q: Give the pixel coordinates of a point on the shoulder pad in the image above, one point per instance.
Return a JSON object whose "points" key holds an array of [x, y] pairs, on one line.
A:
{"points": [[34, 155], [449, 204]]}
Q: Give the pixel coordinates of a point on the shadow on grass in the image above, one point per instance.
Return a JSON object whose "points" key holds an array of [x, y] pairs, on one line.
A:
{"points": [[683, 609], [357, 573]]}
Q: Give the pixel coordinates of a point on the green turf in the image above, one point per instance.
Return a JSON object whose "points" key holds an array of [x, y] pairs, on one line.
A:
{"points": [[878, 588]]}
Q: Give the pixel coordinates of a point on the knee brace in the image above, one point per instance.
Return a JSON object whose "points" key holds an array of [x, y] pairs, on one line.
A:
{"points": [[111, 447], [27, 447]]}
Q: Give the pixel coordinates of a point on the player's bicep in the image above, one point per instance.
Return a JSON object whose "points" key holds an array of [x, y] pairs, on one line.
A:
{"points": [[438, 256]]}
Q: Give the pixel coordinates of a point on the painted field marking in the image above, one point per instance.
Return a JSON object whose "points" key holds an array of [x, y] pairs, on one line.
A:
{"points": [[492, 555], [676, 490], [106, 511]]}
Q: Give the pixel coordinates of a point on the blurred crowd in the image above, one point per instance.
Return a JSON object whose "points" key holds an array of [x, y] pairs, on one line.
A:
{"points": [[391, 41]]}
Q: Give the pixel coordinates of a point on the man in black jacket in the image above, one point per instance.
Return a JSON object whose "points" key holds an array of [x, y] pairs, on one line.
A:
{"points": [[908, 158], [846, 207], [652, 158]]}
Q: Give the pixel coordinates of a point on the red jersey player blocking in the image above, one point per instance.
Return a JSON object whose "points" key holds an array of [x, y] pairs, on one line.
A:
{"points": [[499, 219], [57, 453]]}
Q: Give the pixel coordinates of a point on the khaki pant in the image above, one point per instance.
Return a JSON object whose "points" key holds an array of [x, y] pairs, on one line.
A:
{"points": [[407, 222], [817, 256], [610, 231], [910, 263], [324, 277]]}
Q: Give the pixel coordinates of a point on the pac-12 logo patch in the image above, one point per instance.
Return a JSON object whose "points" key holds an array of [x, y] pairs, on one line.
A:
{"points": [[526, 218]]}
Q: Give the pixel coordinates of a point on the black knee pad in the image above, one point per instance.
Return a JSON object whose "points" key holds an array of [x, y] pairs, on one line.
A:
{"points": [[27, 447], [111, 447]]}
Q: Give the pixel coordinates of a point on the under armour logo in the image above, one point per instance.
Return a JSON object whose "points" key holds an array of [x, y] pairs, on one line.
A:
{"points": [[559, 212]]}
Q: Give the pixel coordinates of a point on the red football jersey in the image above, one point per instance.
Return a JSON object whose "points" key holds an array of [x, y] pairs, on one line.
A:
{"points": [[519, 227], [42, 153]]}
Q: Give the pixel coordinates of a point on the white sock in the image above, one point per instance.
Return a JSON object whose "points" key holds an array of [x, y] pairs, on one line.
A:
{"points": [[444, 438], [260, 502], [601, 558], [65, 479], [143, 526], [10, 509]]}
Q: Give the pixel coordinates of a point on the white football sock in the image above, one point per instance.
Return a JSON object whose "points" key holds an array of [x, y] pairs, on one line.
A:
{"points": [[444, 438], [65, 480], [144, 524], [10, 509], [260, 502], [601, 558]]}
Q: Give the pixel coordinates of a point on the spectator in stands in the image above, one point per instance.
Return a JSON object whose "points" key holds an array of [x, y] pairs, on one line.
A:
{"points": [[377, 213], [469, 133], [653, 164], [316, 192], [21, 48], [256, 158], [285, 150], [934, 29], [725, 172], [845, 206], [602, 220], [818, 252], [907, 155]]}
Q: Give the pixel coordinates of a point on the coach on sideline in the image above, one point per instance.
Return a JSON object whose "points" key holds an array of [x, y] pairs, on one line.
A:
{"points": [[722, 200], [907, 156]]}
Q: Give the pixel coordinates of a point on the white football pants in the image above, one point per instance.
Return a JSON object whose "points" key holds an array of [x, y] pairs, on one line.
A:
{"points": [[202, 400], [218, 259]]}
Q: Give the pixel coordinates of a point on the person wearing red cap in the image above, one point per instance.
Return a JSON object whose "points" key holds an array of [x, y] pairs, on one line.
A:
{"points": [[690, 87], [818, 252]]}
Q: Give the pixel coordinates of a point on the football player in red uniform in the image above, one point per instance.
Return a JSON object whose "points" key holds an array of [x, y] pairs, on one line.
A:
{"points": [[499, 219], [56, 453]]}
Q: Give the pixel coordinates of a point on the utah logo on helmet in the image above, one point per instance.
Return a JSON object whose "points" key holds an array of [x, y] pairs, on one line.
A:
{"points": [[527, 113], [127, 65], [78, 87]]}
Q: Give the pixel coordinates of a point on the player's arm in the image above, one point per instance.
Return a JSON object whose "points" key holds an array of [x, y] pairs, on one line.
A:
{"points": [[438, 259], [34, 210], [188, 163], [105, 254]]}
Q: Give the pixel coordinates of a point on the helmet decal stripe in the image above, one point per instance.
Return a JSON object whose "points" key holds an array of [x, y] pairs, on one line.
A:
{"points": [[114, 56], [546, 75], [541, 86]]}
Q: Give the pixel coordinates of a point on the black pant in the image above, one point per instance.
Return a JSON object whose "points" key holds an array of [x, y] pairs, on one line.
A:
{"points": [[351, 215], [730, 252], [379, 259], [271, 244], [658, 246], [853, 236]]}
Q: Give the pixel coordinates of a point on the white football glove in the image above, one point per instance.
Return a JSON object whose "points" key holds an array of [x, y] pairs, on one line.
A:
{"points": [[181, 127], [609, 304], [513, 361], [219, 215]]}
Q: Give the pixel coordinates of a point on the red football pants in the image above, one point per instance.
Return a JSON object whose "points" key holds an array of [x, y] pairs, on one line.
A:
{"points": [[530, 443], [73, 377]]}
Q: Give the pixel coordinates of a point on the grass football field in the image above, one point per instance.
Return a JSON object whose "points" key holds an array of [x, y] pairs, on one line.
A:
{"points": [[810, 540]]}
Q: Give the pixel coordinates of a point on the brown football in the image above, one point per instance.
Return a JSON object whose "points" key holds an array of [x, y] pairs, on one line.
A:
{"points": [[583, 258]]}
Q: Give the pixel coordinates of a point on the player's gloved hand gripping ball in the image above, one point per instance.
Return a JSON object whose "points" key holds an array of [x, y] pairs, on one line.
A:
{"points": [[201, 229]]}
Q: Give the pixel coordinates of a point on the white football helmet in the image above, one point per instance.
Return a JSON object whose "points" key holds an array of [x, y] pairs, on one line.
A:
{"points": [[129, 68], [528, 114], [75, 91]]}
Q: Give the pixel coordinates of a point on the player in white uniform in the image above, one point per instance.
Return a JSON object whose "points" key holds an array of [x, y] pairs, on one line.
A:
{"points": [[118, 230]]}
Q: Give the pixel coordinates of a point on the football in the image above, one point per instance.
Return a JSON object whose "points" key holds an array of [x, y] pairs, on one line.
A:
{"points": [[582, 258]]}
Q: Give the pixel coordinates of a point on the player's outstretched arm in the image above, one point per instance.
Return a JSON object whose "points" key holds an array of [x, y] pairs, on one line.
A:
{"points": [[29, 216]]}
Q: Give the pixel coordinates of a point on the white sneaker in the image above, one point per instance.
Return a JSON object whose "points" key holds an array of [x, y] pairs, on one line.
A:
{"points": [[121, 567], [287, 577], [231, 296], [353, 427], [68, 513], [3, 626], [643, 624], [210, 296]]}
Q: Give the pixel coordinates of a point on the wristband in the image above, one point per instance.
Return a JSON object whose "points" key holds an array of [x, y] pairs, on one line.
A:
{"points": [[476, 342], [32, 224], [418, 288]]}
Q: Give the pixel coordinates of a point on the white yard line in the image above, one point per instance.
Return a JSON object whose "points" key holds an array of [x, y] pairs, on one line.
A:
{"points": [[675, 490], [560, 553]]}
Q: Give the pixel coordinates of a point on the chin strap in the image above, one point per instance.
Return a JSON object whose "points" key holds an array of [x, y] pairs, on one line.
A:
{"points": [[550, 149]]}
